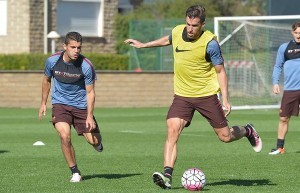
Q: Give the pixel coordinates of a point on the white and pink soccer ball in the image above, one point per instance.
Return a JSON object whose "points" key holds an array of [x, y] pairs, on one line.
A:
{"points": [[193, 179]]}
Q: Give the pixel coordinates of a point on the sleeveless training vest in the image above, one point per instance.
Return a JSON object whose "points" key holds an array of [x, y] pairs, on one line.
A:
{"points": [[68, 73], [194, 75], [292, 51]]}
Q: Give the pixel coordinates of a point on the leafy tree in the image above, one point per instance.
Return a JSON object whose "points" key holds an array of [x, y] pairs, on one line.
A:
{"points": [[241, 7], [175, 9], [171, 9]]}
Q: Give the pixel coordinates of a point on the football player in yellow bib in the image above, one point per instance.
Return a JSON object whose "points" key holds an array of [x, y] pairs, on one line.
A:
{"points": [[199, 75]]}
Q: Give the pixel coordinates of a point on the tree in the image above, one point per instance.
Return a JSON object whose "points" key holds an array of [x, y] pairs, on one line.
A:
{"points": [[241, 7], [175, 9]]}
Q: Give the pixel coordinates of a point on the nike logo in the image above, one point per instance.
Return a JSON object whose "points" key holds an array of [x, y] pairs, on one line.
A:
{"points": [[177, 50]]}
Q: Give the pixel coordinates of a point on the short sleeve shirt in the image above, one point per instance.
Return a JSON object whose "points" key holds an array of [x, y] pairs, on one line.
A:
{"points": [[71, 94]]}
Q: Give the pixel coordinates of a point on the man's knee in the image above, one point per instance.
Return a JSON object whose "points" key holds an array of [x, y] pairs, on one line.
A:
{"points": [[64, 137], [93, 139], [225, 139], [224, 135], [284, 119]]}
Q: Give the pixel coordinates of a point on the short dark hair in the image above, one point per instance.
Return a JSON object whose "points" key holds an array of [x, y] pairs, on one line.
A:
{"points": [[295, 25], [75, 36], [196, 11]]}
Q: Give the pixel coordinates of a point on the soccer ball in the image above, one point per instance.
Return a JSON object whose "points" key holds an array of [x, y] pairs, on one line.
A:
{"points": [[193, 179]]}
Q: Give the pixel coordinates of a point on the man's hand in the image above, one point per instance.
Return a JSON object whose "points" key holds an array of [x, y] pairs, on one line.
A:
{"points": [[276, 89], [227, 108], [42, 111], [134, 43], [90, 123]]}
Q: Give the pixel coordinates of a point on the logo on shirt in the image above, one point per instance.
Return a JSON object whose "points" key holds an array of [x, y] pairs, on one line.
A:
{"points": [[177, 50], [293, 51], [66, 74]]}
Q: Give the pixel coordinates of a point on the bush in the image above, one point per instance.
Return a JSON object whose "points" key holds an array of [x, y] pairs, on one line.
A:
{"points": [[108, 61], [37, 61]]}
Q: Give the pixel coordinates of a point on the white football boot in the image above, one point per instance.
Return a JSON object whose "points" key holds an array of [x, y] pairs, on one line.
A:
{"points": [[76, 177]]}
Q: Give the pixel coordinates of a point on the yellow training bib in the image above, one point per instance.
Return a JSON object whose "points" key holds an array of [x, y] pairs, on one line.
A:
{"points": [[193, 75]]}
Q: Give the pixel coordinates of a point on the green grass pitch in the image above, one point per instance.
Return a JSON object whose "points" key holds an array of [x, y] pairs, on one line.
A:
{"points": [[133, 150]]}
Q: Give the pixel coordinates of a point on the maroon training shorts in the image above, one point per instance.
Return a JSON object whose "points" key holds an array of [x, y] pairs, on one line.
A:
{"points": [[290, 104], [72, 116], [209, 107]]}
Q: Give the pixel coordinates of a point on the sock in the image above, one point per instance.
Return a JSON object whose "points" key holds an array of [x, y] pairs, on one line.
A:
{"points": [[248, 132], [280, 143], [99, 147], [168, 171], [74, 169]]}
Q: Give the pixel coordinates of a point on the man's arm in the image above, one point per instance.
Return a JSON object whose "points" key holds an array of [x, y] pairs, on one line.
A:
{"points": [[46, 85], [90, 96], [223, 82], [163, 41], [215, 54], [278, 67]]}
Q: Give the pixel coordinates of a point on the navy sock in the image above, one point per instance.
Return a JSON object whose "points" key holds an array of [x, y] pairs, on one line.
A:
{"points": [[280, 143], [74, 169], [248, 132], [168, 171]]}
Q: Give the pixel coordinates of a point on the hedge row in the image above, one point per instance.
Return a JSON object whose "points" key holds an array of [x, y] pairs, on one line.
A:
{"points": [[37, 61]]}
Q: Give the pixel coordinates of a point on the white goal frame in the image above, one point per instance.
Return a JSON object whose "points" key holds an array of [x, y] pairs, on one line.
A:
{"points": [[248, 18]]}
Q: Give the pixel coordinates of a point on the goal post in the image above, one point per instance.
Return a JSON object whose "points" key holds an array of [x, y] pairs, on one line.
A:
{"points": [[249, 46]]}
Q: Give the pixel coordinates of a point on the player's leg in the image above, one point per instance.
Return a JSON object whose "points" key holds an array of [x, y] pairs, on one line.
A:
{"points": [[95, 140], [61, 119], [283, 127], [179, 116], [211, 108], [236, 132], [289, 107], [174, 129], [64, 132], [281, 133], [92, 137], [227, 135]]}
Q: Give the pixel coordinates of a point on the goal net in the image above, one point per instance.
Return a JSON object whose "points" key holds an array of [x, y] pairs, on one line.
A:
{"points": [[249, 47]]}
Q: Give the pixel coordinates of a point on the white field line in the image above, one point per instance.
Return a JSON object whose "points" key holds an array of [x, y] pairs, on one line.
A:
{"points": [[132, 131]]}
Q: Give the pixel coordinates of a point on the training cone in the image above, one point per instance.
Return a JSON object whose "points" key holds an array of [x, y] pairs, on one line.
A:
{"points": [[39, 143]]}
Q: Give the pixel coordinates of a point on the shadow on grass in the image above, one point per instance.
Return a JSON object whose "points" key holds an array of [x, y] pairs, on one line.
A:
{"points": [[109, 176], [3, 151], [238, 182]]}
